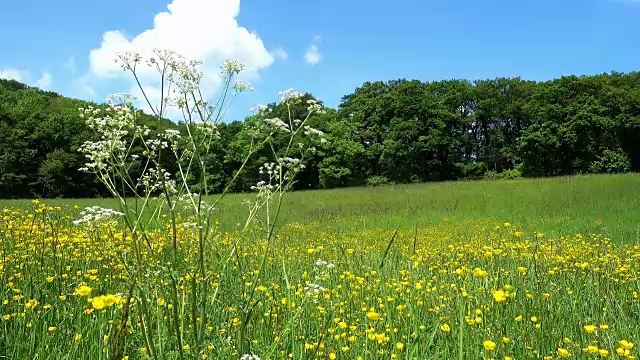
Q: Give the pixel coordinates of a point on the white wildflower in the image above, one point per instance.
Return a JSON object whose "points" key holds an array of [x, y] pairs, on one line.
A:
{"points": [[314, 288], [121, 99], [209, 129], [309, 131], [232, 67], [171, 134], [290, 96], [241, 86], [96, 213], [322, 263], [315, 108], [249, 357], [278, 124], [263, 109], [155, 179]]}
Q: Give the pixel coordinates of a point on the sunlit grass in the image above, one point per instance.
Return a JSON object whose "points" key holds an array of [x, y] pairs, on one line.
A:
{"points": [[557, 206]]}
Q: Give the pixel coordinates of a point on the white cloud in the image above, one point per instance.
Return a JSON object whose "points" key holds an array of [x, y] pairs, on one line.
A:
{"points": [[12, 74], [280, 53], [313, 55], [205, 30], [45, 81]]}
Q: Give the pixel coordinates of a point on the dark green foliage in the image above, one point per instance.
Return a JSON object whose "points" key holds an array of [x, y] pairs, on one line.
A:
{"points": [[40, 133], [399, 131], [471, 170]]}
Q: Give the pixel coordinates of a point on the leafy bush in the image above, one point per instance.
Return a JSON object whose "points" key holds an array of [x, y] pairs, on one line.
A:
{"points": [[509, 174], [334, 176], [471, 171], [611, 162], [377, 181]]}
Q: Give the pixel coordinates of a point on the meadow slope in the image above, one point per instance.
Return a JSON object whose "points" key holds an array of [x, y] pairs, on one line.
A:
{"points": [[608, 204]]}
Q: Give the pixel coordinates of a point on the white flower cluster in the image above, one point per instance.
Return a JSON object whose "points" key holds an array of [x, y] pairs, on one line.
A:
{"points": [[232, 67], [155, 179], [185, 74], [263, 186], [178, 70], [113, 124], [309, 131], [191, 225], [172, 136], [268, 168], [261, 109], [278, 124], [281, 174], [282, 170], [314, 288], [121, 99], [96, 213], [315, 134], [209, 129], [314, 107], [240, 86], [249, 357], [290, 166], [98, 155], [189, 201], [322, 263], [182, 80], [187, 197], [293, 126], [290, 96], [266, 188], [153, 145], [290, 163]]}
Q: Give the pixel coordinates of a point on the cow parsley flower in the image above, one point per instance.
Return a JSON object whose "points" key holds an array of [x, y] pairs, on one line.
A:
{"points": [[322, 263], [314, 288], [249, 357], [95, 214], [232, 67]]}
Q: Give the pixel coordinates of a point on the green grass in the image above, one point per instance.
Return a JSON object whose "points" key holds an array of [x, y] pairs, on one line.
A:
{"points": [[607, 204]]}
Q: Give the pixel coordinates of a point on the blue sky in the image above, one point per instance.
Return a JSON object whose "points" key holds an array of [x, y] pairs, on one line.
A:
{"points": [[50, 43]]}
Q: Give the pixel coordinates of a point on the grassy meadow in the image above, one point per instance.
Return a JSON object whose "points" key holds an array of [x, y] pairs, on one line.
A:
{"points": [[607, 204], [522, 269]]}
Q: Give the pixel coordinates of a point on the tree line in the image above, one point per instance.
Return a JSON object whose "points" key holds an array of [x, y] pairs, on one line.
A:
{"points": [[398, 131]]}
